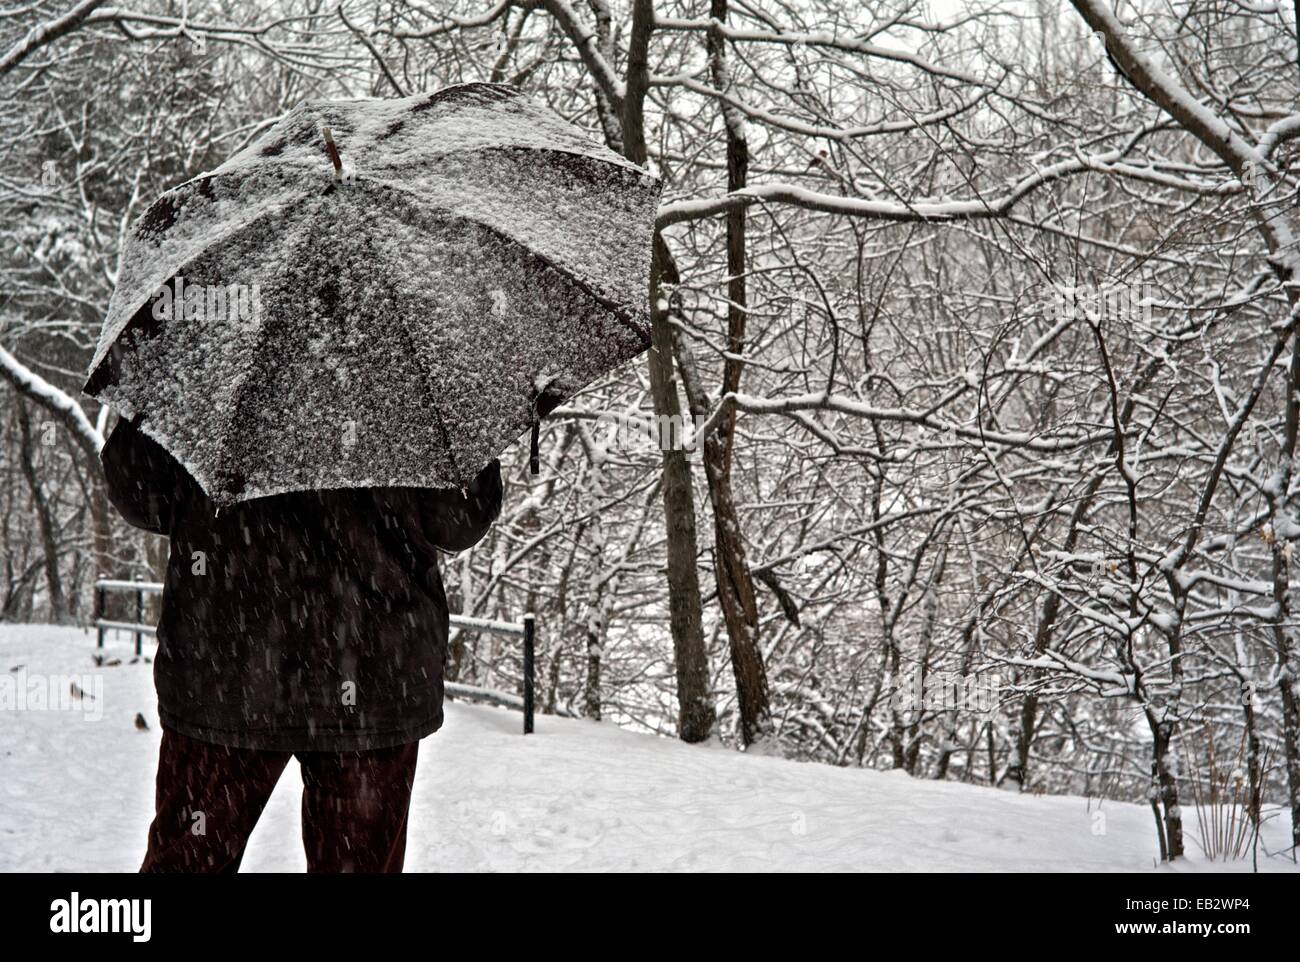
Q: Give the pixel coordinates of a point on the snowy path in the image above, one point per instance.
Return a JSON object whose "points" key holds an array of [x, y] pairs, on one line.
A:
{"points": [[76, 795]]}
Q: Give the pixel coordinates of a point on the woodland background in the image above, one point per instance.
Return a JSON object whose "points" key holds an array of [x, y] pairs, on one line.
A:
{"points": [[918, 464]]}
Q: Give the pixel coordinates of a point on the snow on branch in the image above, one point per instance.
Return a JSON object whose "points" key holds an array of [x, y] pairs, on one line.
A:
{"points": [[46, 33], [374, 52], [53, 399], [450, 23], [821, 401], [935, 211], [827, 40], [587, 43], [1143, 73], [925, 211], [812, 130]]}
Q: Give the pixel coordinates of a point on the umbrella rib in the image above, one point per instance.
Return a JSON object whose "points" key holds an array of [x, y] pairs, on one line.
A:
{"points": [[617, 162], [604, 301], [105, 344], [437, 411], [608, 303], [239, 394]]}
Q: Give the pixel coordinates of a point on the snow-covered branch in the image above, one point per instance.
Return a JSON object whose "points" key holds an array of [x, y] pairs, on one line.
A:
{"points": [[62, 406]]}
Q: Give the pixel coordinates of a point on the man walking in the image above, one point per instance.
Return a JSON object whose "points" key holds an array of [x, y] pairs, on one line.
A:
{"points": [[310, 624]]}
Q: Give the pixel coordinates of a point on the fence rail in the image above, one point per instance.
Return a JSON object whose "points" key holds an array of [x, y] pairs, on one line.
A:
{"points": [[525, 628]]}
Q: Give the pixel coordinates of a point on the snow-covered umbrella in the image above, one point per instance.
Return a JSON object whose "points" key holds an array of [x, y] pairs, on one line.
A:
{"points": [[378, 293]]}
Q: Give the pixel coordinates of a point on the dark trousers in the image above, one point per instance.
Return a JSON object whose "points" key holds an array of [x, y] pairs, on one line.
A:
{"points": [[209, 797]]}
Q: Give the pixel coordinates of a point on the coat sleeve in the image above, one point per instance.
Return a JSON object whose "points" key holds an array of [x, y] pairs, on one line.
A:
{"points": [[144, 481], [455, 520]]}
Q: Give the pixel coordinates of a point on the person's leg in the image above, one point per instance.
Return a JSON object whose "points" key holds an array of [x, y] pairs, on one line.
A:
{"points": [[208, 799], [354, 808]]}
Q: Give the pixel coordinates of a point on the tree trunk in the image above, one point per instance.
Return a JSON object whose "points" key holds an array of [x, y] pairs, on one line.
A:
{"points": [[1253, 771], [1166, 783], [597, 620], [44, 515], [1283, 629], [731, 569], [697, 717]]}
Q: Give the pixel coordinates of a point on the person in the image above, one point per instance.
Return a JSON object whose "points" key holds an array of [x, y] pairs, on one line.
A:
{"points": [[310, 624]]}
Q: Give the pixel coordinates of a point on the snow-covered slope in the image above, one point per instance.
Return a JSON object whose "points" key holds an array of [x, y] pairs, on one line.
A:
{"points": [[76, 795]]}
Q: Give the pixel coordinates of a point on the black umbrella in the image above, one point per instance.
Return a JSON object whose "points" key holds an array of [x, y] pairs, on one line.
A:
{"points": [[291, 321]]}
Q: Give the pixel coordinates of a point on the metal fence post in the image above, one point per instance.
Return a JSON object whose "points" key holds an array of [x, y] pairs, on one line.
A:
{"points": [[139, 618], [100, 612], [530, 630]]}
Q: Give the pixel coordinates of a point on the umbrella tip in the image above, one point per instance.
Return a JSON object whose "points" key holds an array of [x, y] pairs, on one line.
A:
{"points": [[333, 151]]}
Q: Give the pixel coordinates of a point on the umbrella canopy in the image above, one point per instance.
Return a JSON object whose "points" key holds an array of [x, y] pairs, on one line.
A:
{"points": [[280, 328]]}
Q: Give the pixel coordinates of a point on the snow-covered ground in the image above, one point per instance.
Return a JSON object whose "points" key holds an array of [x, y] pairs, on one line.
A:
{"points": [[76, 795]]}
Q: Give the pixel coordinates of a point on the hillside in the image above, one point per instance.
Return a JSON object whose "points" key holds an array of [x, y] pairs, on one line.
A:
{"points": [[76, 795]]}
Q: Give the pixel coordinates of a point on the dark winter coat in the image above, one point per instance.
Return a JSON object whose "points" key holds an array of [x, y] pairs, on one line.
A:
{"points": [[312, 621]]}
